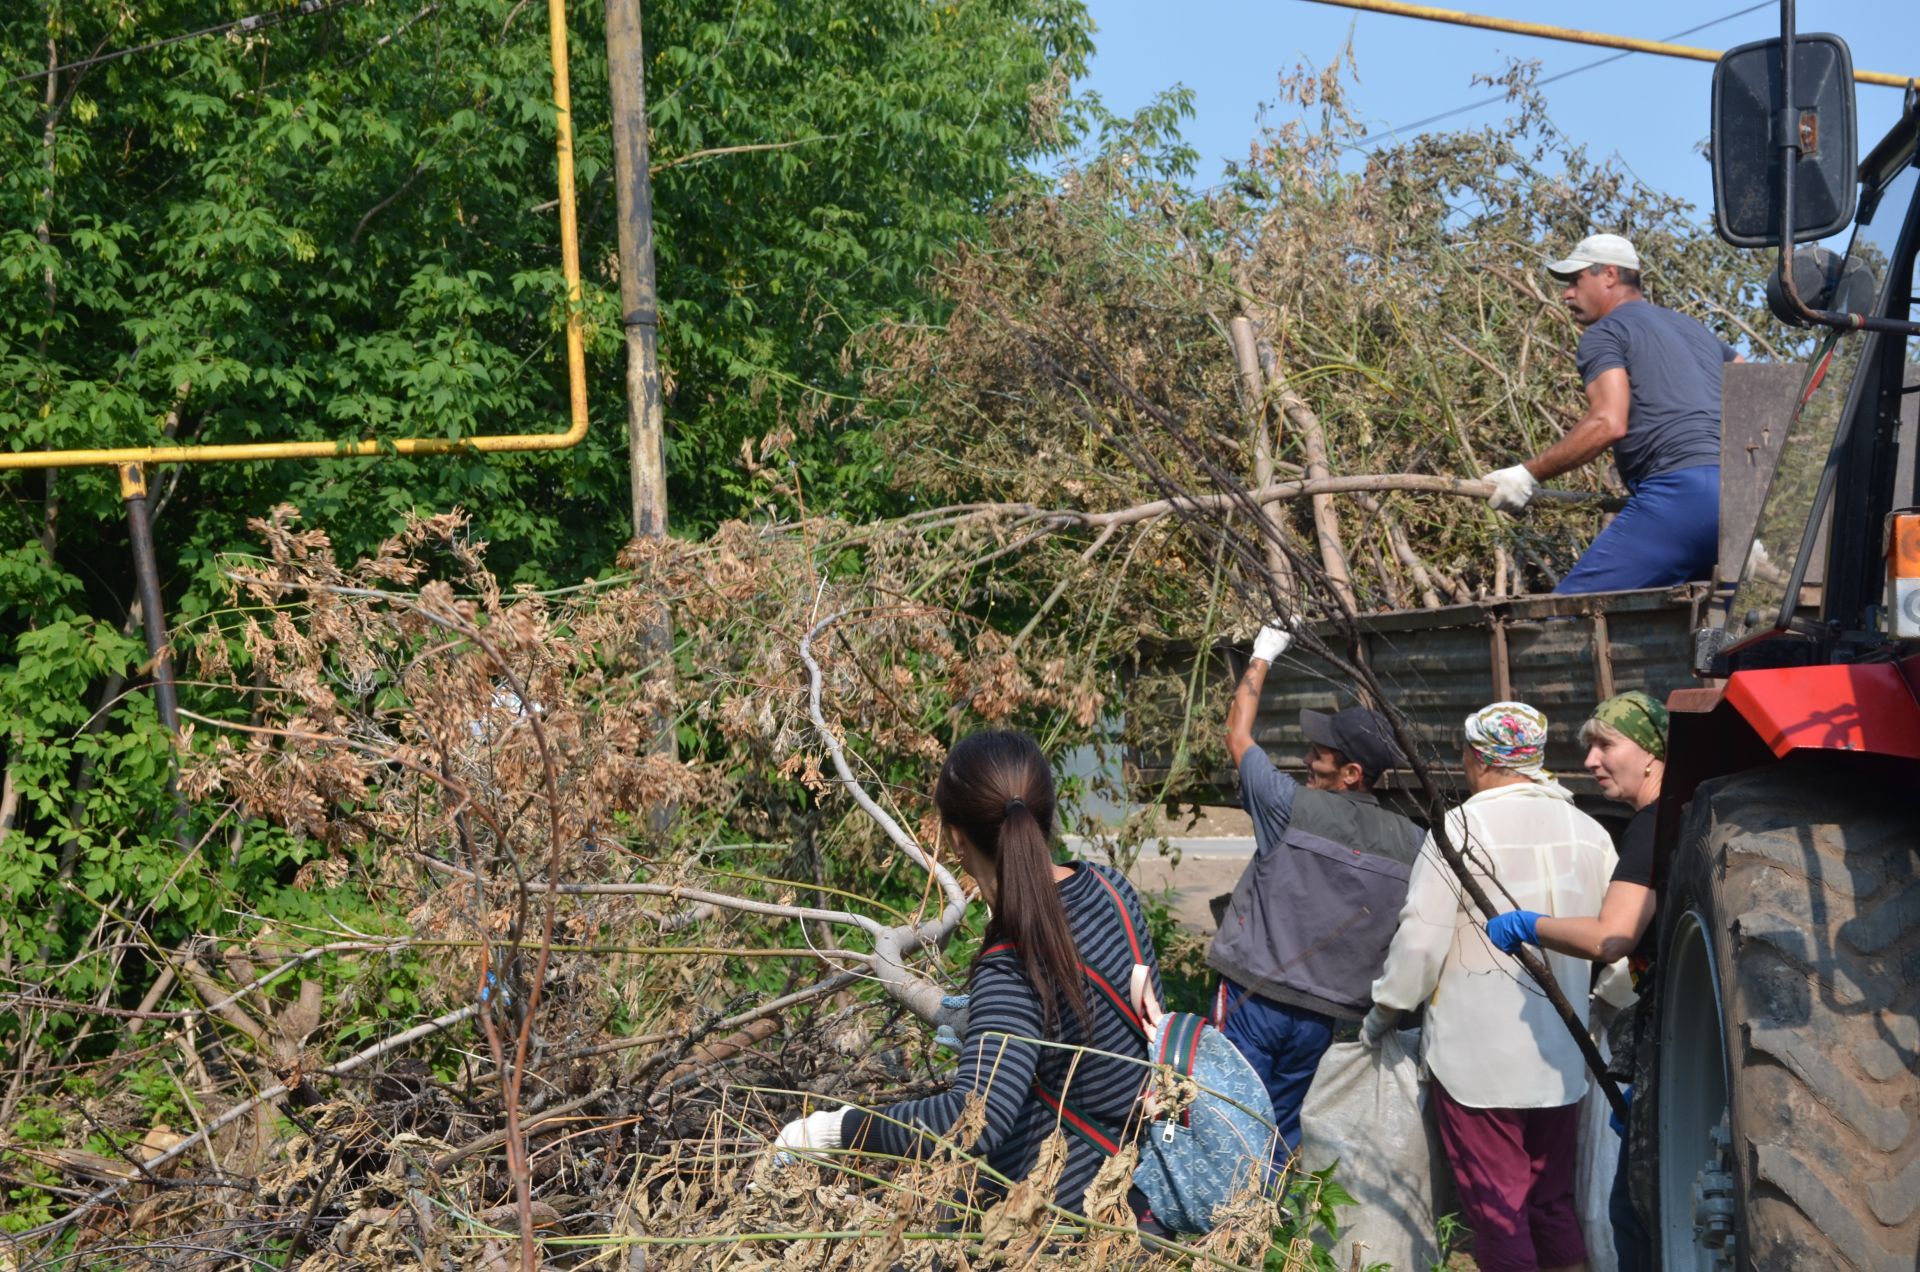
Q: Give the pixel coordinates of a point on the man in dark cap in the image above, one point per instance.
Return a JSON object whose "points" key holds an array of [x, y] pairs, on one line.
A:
{"points": [[1305, 931]]}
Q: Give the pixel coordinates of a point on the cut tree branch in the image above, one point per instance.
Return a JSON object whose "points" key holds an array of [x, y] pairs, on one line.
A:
{"points": [[1265, 422], [1313, 438], [1371, 483], [242, 1109], [891, 946]]}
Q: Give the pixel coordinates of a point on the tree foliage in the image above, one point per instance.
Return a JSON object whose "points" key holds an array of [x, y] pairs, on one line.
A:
{"points": [[342, 226]]}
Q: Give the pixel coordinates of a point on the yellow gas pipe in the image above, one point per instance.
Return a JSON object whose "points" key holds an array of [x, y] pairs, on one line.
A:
{"points": [[1545, 31], [239, 452]]}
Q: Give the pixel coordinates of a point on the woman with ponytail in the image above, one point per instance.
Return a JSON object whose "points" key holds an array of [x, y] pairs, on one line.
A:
{"points": [[1048, 926]]}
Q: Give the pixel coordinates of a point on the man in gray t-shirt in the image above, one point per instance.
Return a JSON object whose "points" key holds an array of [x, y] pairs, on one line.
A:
{"points": [[1653, 397]]}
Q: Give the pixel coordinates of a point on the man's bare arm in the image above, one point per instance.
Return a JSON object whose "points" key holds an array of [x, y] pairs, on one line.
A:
{"points": [[1246, 705], [1605, 423]]}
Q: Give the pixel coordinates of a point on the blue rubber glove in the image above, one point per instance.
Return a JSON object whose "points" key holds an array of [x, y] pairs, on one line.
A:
{"points": [[1613, 1119], [1511, 930]]}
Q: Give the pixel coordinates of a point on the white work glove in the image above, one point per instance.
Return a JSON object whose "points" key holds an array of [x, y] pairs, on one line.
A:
{"points": [[816, 1132], [1378, 1024], [1272, 642], [1513, 489]]}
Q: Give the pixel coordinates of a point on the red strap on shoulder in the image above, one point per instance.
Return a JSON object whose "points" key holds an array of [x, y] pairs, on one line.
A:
{"points": [[1126, 920], [1120, 1003], [1114, 996], [1076, 1121]]}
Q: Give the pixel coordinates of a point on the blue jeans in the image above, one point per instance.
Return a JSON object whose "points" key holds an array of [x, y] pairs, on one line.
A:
{"points": [[1669, 533], [1630, 1240], [1284, 1045]]}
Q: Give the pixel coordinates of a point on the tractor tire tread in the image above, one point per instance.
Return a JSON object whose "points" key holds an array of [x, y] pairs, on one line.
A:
{"points": [[1816, 886]]}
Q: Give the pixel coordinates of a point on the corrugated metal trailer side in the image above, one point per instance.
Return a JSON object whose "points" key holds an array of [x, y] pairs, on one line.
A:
{"points": [[1563, 654]]}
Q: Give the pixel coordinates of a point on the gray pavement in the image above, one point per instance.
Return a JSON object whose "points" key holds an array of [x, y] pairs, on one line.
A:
{"points": [[1211, 843]]}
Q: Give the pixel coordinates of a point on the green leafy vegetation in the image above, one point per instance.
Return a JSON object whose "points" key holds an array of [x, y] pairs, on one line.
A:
{"points": [[343, 227]]}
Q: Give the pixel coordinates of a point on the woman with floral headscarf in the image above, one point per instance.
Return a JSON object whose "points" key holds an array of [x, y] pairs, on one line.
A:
{"points": [[1507, 1076], [1626, 741]]}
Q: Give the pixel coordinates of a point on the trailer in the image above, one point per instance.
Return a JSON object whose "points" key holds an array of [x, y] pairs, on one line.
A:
{"points": [[1563, 654]]}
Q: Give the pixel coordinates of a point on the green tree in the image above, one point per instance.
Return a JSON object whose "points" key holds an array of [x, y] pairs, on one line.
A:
{"points": [[341, 225]]}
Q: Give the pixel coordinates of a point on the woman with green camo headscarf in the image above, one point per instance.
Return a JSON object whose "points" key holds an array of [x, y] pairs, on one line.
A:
{"points": [[1626, 741]]}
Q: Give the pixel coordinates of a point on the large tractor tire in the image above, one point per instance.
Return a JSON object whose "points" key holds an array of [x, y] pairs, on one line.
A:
{"points": [[1786, 1088]]}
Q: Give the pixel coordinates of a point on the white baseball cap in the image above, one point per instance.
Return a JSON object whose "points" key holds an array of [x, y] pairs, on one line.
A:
{"points": [[1596, 249]]}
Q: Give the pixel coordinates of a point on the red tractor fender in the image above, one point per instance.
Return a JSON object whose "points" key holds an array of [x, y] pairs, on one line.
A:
{"points": [[1868, 708], [1758, 717]]}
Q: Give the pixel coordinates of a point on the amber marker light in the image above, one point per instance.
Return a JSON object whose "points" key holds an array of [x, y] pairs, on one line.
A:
{"points": [[1903, 574]]}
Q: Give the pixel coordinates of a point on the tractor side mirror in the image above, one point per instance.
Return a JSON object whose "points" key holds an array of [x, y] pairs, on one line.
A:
{"points": [[1748, 191]]}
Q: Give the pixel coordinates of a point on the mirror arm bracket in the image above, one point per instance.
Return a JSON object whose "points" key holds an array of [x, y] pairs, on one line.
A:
{"points": [[1788, 122], [1788, 136]]}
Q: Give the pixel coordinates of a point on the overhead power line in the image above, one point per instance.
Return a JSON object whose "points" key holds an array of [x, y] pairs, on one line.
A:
{"points": [[239, 26], [1495, 100]]}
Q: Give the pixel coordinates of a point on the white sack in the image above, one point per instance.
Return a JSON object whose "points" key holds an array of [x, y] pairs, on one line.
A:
{"points": [[1364, 1111], [1593, 1175]]}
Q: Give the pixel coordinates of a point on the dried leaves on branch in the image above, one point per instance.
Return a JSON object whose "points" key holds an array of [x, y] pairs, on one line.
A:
{"points": [[485, 764], [1399, 317]]}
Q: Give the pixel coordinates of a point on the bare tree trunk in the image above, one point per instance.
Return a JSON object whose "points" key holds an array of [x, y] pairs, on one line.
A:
{"points": [[640, 316], [639, 302], [1313, 439], [1265, 423]]}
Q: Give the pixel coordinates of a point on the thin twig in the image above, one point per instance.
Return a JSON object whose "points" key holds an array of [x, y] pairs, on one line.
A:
{"points": [[715, 152], [901, 839]]}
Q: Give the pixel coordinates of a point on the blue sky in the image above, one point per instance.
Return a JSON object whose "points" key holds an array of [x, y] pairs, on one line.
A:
{"points": [[1649, 111]]}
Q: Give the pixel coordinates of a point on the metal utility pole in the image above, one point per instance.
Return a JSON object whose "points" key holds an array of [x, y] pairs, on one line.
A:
{"points": [[146, 574], [153, 616], [639, 302]]}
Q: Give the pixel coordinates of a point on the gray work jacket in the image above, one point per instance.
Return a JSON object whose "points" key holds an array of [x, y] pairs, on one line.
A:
{"points": [[1311, 918]]}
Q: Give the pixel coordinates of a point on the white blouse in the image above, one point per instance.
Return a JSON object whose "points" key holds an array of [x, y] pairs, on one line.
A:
{"points": [[1491, 1037]]}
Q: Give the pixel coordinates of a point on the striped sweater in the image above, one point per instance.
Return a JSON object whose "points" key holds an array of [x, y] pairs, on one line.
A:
{"points": [[1000, 1067]]}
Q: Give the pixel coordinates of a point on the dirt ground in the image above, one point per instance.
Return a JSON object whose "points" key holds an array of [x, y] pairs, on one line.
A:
{"points": [[1193, 880]]}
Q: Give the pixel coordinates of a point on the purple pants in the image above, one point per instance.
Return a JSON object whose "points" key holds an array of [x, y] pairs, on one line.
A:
{"points": [[1514, 1171]]}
